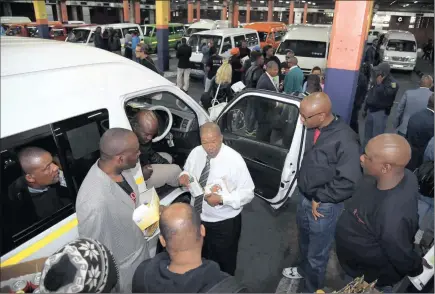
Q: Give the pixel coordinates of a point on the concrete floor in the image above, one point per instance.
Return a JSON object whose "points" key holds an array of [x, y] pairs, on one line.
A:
{"points": [[269, 241]]}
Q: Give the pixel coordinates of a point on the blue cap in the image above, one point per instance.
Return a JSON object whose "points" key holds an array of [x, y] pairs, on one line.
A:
{"points": [[257, 48]]}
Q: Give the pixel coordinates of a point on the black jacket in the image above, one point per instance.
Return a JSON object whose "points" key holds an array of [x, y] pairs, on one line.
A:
{"points": [[98, 41], [420, 131], [252, 76], [361, 90], [264, 107], [331, 167], [184, 53], [153, 276], [381, 97], [370, 55], [375, 233], [149, 63], [149, 156], [114, 44]]}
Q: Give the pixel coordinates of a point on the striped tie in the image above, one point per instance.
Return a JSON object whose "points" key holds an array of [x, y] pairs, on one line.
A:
{"points": [[202, 182]]}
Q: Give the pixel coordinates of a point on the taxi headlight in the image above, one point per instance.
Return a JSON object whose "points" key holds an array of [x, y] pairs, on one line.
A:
{"points": [[386, 58]]}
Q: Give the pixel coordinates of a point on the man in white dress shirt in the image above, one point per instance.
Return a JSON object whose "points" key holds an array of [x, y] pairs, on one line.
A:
{"points": [[210, 163]]}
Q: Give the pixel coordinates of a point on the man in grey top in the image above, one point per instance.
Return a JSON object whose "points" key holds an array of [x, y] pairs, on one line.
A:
{"points": [[412, 101], [107, 199]]}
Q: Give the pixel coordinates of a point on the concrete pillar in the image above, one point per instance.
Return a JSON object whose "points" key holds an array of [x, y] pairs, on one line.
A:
{"points": [[162, 8], [236, 15], [270, 11], [49, 10], [74, 13], [137, 19], [291, 12], [121, 14], [346, 50], [41, 18], [126, 7], [7, 9], [304, 20], [64, 11], [131, 14], [190, 12], [86, 14], [59, 12], [224, 10], [248, 11], [198, 10], [152, 16], [298, 17]]}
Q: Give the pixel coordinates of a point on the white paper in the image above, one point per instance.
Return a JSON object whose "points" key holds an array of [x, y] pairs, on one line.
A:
{"points": [[222, 186], [421, 280], [194, 187]]}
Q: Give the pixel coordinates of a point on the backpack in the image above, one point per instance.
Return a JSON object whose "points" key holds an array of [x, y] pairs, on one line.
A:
{"points": [[228, 285], [424, 175]]}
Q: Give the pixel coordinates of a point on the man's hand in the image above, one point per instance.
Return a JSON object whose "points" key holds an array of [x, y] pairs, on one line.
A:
{"points": [[426, 264], [213, 199], [379, 80], [314, 206], [184, 181], [216, 188], [147, 171]]}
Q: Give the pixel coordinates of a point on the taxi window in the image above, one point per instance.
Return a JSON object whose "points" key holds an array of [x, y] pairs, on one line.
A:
{"points": [[179, 30], [238, 40], [252, 39], [57, 32], [149, 31], [133, 29]]}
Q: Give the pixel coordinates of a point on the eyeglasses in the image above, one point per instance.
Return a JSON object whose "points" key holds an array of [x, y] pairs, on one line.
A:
{"points": [[307, 118]]}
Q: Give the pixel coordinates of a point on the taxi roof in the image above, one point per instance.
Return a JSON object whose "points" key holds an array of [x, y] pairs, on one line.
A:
{"points": [[401, 35], [44, 81], [226, 32], [113, 25], [308, 32]]}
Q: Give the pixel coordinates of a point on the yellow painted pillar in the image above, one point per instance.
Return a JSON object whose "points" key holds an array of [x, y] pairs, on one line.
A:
{"points": [[291, 11], [304, 20], [41, 18], [162, 13]]}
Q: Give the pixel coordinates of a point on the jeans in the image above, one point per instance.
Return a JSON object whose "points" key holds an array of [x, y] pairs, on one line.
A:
{"points": [[425, 207], [376, 122], [315, 241]]}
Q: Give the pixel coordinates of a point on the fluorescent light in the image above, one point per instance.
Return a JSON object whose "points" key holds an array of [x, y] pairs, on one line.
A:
{"points": [[280, 0], [314, 3], [303, 1], [415, 1], [309, 2], [287, 2]]}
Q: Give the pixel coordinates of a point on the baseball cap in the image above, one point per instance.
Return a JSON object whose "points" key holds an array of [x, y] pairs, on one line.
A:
{"points": [[383, 68]]}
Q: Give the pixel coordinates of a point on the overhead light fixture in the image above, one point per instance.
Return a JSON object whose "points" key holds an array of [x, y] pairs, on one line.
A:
{"points": [[303, 1], [314, 3], [309, 2], [415, 1]]}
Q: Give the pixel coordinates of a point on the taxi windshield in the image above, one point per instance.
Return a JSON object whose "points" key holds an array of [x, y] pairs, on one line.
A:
{"points": [[191, 31], [200, 40], [78, 36]]}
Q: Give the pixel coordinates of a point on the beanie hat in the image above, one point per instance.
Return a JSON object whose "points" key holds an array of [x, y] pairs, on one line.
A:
{"points": [[83, 265], [235, 51]]}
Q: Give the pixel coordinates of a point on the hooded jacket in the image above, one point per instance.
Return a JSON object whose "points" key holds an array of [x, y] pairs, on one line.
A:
{"points": [[331, 167], [153, 276]]}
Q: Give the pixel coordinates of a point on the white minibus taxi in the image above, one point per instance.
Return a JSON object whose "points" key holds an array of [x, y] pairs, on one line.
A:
{"points": [[66, 96], [399, 49], [206, 25], [224, 40], [309, 43]]}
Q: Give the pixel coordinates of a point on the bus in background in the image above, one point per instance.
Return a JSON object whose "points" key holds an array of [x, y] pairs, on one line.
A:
{"points": [[310, 45], [270, 33]]}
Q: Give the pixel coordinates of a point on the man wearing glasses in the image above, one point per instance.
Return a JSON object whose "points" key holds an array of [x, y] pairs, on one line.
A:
{"points": [[328, 174]]}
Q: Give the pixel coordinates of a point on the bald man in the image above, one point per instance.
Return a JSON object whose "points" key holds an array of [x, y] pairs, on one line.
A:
{"points": [[107, 199], [180, 269], [38, 194], [412, 101], [376, 231], [329, 172], [295, 77], [214, 165], [157, 167]]}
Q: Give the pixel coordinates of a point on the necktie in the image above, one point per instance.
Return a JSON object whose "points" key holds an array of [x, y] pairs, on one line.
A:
{"points": [[202, 181], [316, 135]]}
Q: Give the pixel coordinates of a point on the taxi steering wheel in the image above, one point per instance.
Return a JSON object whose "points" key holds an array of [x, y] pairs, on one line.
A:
{"points": [[170, 121]]}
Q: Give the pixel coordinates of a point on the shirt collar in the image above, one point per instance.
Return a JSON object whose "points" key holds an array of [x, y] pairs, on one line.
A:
{"points": [[294, 66], [33, 190]]}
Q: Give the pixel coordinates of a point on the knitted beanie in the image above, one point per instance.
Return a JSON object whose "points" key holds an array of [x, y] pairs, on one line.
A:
{"points": [[82, 266]]}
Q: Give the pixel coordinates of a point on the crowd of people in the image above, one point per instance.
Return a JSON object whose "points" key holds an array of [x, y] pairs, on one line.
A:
{"points": [[375, 214]]}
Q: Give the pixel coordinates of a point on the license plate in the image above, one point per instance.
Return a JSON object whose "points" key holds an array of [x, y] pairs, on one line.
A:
{"points": [[397, 65]]}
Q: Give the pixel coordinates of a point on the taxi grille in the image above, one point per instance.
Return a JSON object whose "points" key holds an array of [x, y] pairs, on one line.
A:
{"points": [[394, 58]]}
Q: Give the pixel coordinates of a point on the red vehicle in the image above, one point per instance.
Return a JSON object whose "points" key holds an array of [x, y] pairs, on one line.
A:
{"points": [[56, 29]]}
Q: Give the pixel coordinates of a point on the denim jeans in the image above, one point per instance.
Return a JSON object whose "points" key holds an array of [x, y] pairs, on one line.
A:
{"points": [[425, 207], [376, 122], [315, 241]]}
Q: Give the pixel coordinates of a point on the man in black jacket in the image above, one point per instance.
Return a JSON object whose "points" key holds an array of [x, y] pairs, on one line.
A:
{"points": [[181, 269], [157, 167], [329, 172], [376, 231], [379, 102], [183, 71], [420, 131], [114, 42], [252, 76], [360, 95]]}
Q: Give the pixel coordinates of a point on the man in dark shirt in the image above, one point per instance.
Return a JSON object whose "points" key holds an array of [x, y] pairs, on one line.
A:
{"points": [[270, 56], [181, 269], [184, 52], [370, 54], [329, 172], [157, 168], [379, 102], [212, 66], [37, 194], [420, 131], [360, 94], [376, 231], [244, 50], [144, 58]]}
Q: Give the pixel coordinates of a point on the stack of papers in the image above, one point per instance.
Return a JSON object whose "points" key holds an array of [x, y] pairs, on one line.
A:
{"points": [[147, 215], [421, 280]]}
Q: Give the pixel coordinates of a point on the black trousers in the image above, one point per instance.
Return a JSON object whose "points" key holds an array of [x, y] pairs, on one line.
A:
{"points": [[221, 243]]}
